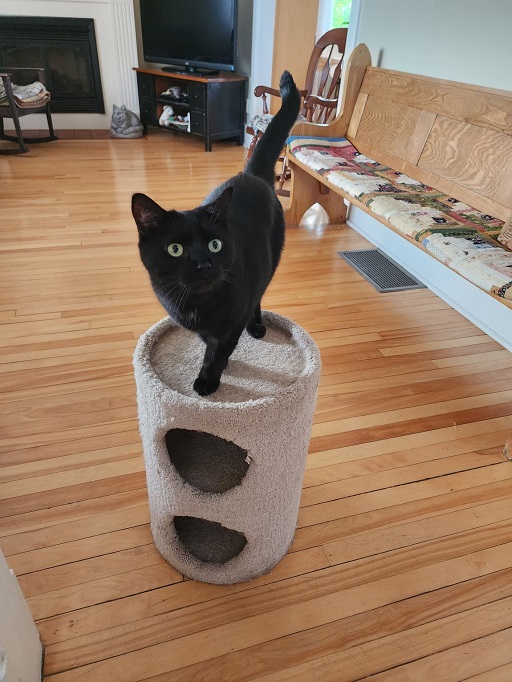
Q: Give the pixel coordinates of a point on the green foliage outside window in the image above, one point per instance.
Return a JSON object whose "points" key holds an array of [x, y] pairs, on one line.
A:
{"points": [[341, 13]]}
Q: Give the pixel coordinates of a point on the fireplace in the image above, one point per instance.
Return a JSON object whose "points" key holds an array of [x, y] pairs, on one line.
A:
{"points": [[66, 48], [114, 26]]}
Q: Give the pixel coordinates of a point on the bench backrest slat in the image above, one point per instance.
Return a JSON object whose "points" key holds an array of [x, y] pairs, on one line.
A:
{"points": [[453, 136], [471, 103]]}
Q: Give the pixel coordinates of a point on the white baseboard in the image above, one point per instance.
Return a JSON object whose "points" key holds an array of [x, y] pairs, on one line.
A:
{"points": [[491, 316]]}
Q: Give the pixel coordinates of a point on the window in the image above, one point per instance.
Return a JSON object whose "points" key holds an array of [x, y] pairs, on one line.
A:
{"points": [[340, 13]]}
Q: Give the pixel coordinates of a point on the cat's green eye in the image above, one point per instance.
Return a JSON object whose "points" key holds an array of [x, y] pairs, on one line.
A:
{"points": [[175, 250], [215, 245]]}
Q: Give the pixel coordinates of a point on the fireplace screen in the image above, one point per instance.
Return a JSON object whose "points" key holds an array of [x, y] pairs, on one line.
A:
{"points": [[66, 49]]}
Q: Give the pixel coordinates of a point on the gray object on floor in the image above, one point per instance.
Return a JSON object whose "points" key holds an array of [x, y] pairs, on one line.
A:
{"points": [[225, 471], [382, 273]]}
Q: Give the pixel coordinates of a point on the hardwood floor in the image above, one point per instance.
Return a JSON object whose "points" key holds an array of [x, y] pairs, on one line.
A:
{"points": [[401, 568]]}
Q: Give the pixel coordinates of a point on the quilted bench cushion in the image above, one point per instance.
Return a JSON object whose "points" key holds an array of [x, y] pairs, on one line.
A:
{"points": [[458, 235]]}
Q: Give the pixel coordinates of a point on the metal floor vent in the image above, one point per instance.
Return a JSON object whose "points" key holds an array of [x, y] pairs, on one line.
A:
{"points": [[380, 271]]}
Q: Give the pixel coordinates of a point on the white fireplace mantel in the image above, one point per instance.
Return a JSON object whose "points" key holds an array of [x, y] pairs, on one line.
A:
{"points": [[114, 24]]}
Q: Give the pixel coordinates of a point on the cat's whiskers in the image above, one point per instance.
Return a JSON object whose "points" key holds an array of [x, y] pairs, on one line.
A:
{"points": [[171, 288], [182, 298], [228, 279]]}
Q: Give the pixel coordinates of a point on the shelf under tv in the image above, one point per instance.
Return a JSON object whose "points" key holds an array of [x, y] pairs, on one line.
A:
{"points": [[216, 104]]}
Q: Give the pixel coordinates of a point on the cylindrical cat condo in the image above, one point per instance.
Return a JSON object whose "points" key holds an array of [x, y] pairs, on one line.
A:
{"points": [[225, 471]]}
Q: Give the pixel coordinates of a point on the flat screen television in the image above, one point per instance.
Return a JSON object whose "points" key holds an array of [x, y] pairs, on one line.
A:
{"points": [[196, 35]]}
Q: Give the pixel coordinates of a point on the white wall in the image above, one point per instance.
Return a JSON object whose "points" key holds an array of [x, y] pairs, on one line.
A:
{"points": [[463, 40], [264, 12], [324, 17]]}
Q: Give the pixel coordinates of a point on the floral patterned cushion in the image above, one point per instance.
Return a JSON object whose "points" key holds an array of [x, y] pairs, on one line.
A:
{"points": [[458, 235]]}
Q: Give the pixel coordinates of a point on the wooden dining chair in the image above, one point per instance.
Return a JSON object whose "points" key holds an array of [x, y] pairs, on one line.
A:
{"points": [[320, 92], [13, 107]]}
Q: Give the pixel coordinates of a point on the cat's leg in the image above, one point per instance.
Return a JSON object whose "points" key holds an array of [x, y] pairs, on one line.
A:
{"points": [[256, 328], [218, 352]]}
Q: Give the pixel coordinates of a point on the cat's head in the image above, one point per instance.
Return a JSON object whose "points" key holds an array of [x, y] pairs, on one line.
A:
{"points": [[119, 112], [193, 249]]}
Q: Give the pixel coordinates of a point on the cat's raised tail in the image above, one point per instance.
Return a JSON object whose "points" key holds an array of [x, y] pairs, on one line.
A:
{"points": [[267, 151]]}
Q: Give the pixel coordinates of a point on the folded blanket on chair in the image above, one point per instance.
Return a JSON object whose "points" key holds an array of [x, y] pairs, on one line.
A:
{"points": [[31, 95]]}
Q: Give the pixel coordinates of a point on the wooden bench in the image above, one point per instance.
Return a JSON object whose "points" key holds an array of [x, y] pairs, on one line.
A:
{"points": [[448, 137]]}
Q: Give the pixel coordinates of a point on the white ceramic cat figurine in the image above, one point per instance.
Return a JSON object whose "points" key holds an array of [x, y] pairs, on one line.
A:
{"points": [[125, 123]]}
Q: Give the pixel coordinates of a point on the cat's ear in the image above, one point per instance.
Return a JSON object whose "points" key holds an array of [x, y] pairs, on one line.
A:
{"points": [[147, 213], [219, 207]]}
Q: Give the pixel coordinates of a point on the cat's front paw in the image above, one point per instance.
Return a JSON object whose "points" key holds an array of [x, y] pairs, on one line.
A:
{"points": [[205, 387], [257, 331]]}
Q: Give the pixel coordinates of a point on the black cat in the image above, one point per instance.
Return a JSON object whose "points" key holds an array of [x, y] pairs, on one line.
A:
{"points": [[210, 266]]}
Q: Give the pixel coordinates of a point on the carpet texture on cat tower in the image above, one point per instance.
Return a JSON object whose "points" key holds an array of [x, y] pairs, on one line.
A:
{"points": [[224, 472]]}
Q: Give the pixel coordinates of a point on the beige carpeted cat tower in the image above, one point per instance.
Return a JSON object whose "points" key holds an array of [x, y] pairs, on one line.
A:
{"points": [[224, 472]]}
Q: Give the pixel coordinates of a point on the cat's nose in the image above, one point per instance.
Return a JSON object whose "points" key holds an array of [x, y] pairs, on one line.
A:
{"points": [[204, 265]]}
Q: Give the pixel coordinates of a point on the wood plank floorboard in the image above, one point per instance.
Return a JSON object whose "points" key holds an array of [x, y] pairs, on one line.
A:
{"points": [[401, 567]]}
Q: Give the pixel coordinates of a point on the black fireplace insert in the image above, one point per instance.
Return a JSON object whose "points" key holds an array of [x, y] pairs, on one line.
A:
{"points": [[66, 49]]}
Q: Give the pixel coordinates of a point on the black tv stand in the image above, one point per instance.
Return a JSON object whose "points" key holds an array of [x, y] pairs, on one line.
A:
{"points": [[191, 70], [205, 106]]}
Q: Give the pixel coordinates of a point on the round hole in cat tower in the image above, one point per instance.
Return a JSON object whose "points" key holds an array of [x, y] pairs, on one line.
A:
{"points": [[226, 470], [207, 462], [208, 540]]}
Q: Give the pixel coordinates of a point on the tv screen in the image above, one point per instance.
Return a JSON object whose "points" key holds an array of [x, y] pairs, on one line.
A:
{"points": [[190, 33]]}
